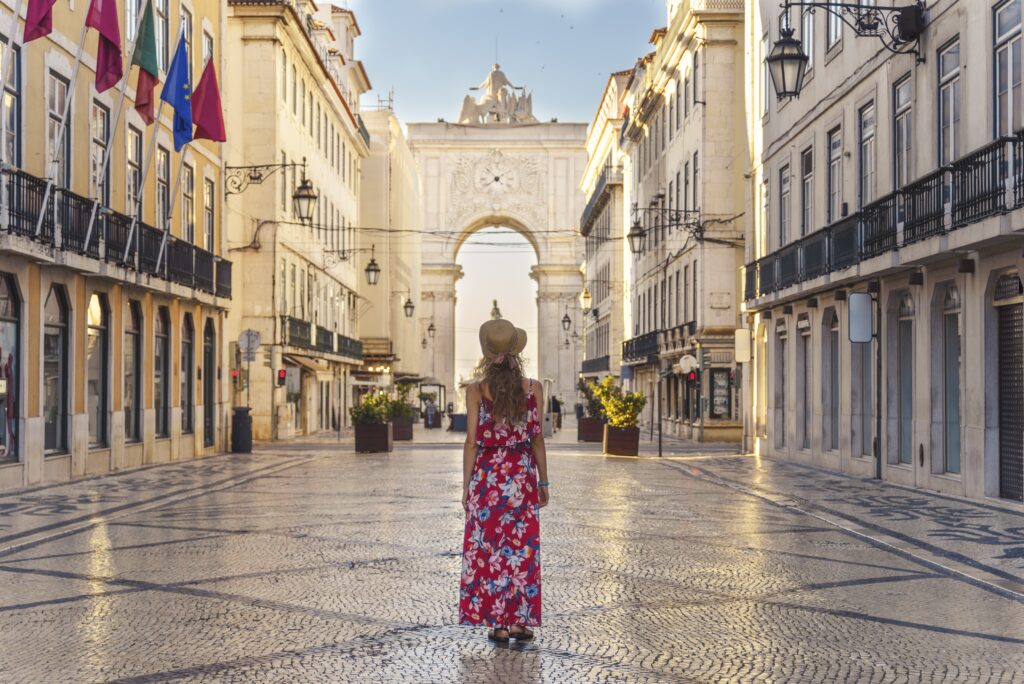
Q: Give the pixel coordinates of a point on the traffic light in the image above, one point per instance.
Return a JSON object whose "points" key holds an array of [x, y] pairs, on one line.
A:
{"points": [[692, 376], [282, 375], [235, 378]]}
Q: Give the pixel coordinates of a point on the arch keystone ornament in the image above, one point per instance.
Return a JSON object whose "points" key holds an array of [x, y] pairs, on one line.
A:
{"points": [[500, 167]]}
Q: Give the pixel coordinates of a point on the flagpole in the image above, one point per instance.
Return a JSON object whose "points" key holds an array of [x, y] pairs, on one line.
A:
{"points": [[8, 68], [63, 127], [170, 209], [142, 183], [113, 130]]}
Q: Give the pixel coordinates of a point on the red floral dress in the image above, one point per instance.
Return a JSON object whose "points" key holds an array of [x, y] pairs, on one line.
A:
{"points": [[501, 550]]}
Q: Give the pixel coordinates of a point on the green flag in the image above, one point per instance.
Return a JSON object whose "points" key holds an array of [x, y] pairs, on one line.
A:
{"points": [[144, 57]]}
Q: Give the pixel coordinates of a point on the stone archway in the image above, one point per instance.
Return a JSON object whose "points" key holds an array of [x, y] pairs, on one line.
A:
{"points": [[511, 172]]}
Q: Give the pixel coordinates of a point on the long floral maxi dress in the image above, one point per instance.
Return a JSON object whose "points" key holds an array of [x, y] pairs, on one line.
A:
{"points": [[501, 550]]}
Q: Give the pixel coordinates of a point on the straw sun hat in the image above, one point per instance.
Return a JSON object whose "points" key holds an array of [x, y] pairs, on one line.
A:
{"points": [[499, 337]]}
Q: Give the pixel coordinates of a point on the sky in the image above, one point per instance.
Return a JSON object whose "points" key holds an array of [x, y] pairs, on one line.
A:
{"points": [[430, 52]]}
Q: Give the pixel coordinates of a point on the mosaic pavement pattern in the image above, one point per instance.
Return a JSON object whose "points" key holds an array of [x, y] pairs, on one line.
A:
{"points": [[314, 564]]}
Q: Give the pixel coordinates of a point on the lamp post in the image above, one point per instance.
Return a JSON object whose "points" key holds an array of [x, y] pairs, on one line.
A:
{"points": [[898, 28], [637, 237], [372, 269]]}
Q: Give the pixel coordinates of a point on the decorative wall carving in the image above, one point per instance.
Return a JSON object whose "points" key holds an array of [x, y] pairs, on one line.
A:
{"points": [[497, 183]]}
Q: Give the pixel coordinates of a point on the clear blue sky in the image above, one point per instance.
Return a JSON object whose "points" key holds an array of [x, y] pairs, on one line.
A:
{"points": [[431, 51]]}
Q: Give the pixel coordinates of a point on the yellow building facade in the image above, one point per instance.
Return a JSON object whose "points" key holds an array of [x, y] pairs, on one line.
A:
{"points": [[112, 360]]}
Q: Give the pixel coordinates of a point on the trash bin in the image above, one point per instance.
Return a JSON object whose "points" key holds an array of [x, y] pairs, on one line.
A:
{"points": [[241, 431]]}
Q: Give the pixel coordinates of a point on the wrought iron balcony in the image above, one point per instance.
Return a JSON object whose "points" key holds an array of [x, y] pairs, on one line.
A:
{"points": [[25, 197], [980, 184], [350, 347], [204, 270], [641, 348], [324, 340], [363, 133], [179, 262], [297, 333], [601, 363], [611, 175], [223, 270]]}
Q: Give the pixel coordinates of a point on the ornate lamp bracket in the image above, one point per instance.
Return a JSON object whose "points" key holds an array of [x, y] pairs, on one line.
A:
{"points": [[898, 28], [238, 178]]}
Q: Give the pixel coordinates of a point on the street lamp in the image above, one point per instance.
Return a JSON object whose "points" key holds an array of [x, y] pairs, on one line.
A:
{"points": [[409, 307], [566, 322], [372, 269], [586, 300], [787, 65], [304, 200], [898, 28], [423, 343], [637, 236], [431, 330]]}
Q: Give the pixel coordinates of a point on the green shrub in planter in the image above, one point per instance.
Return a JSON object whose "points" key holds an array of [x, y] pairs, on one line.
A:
{"points": [[622, 409], [403, 413], [374, 409]]}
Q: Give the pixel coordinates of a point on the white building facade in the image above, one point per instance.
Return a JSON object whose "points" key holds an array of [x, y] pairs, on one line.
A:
{"points": [[899, 178]]}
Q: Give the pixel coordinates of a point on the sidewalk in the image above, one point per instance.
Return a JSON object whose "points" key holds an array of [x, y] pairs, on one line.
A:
{"points": [[981, 541]]}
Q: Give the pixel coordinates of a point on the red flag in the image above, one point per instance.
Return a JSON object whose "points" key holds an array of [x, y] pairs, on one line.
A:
{"points": [[38, 19], [102, 16], [206, 108], [145, 96]]}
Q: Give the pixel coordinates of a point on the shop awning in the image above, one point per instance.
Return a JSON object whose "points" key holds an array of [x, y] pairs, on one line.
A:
{"points": [[312, 365]]}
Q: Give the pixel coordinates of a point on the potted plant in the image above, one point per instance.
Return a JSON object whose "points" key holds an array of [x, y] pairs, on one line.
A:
{"points": [[590, 427], [622, 409], [373, 429], [402, 413]]}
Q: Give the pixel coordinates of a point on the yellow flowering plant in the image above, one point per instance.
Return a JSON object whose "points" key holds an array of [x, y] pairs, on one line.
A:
{"points": [[621, 408]]}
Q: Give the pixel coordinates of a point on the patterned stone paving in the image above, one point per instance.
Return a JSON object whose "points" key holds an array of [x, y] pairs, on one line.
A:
{"points": [[309, 563]]}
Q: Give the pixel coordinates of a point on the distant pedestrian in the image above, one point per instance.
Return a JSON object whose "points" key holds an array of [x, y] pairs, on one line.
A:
{"points": [[431, 411], [504, 466]]}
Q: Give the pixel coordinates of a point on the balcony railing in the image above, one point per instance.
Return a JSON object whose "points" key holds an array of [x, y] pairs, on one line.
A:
{"points": [[598, 365], [983, 183], [204, 270], [363, 133], [324, 340], [643, 347], [350, 347], [297, 333], [611, 175], [182, 263]]}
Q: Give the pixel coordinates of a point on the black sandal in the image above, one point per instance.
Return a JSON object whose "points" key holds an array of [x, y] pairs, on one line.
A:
{"points": [[493, 635], [523, 634]]}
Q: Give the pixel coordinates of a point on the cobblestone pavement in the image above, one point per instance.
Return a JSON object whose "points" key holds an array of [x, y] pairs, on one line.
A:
{"points": [[309, 563]]}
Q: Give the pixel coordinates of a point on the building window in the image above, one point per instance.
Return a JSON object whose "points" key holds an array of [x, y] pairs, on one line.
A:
{"points": [[835, 25], [55, 375], [807, 36], [902, 133], [294, 289], [163, 186], [188, 203], [186, 35], [807, 191], [295, 92], [951, 361], [1008, 67], [765, 77], [96, 364], [209, 213], [905, 379], [99, 133], [805, 365], [696, 82], [835, 174], [131, 17], [866, 154], [56, 100], [12, 108], [132, 372], [187, 370], [949, 103], [784, 205], [162, 37], [10, 366], [134, 177], [162, 372], [696, 184], [830, 390], [207, 48]]}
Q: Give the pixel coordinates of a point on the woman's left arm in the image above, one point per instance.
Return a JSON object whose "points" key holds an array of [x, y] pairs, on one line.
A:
{"points": [[540, 450]]}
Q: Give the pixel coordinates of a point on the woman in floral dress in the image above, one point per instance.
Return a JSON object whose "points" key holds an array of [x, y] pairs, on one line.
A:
{"points": [[504, 487]]}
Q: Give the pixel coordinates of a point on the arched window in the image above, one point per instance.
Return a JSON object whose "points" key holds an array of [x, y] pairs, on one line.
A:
{"points": [[55, 366], [951, 380], [187, 390], [162, 372], [905, 378], [132, 374], [804, 370], [782, 337], [10, 317], [830, 380], [96, 365]]}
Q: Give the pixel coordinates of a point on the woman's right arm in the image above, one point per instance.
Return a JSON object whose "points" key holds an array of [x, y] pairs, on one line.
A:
{"points": [[469, 448]]}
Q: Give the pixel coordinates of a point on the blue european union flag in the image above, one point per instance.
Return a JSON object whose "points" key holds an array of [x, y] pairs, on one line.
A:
{"points": [[177, 92]]}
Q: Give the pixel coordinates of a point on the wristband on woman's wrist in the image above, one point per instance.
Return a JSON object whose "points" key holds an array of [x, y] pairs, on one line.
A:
{"points": [[542, 483]]}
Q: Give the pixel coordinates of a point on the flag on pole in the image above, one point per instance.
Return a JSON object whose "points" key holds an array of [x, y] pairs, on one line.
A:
{"points": [[206, 107], [38, 19], [102, 16], [177, 92], [144, 57]]}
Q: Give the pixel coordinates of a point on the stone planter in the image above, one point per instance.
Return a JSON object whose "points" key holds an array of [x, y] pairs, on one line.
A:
{"points": [[402, 428], [374, 438], [590, 430], [621, 441]]}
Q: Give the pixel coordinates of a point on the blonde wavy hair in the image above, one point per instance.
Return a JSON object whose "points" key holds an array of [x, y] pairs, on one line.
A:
{"points": [[504, 377]]}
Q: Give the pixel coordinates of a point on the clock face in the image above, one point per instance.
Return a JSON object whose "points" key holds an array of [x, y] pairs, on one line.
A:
{"points": [[495, 177]]}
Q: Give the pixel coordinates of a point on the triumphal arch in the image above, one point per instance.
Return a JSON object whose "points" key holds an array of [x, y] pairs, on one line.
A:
{"points": [[500, 166]]}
